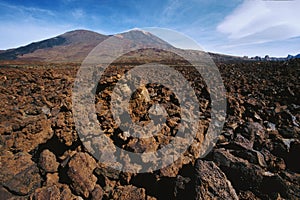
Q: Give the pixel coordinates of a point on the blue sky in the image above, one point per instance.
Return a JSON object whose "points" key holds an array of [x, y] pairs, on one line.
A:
{"points": [[236, 27]]}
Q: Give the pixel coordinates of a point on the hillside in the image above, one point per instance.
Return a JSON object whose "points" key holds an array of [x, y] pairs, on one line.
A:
{"points": [[74, 46]]}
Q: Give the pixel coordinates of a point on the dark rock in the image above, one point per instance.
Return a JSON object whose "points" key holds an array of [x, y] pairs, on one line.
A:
{"points": [[241, 172], [19, 174], [292, 159], [247, 195], [5, 194], [246, 176], [252, 156], [242, 142], [97, 193], [274, 163], [212, 183], [180, 184], [107, 172]]}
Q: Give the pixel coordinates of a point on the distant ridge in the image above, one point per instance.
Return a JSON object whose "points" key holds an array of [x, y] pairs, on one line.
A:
{"points": [[73, 46], [70, 46]]}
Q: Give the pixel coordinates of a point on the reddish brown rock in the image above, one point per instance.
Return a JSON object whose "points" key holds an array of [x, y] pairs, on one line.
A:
{"points": [[48, 161], [19, 174], [54, 192], [50, 192], [52, 178], [5, 194], [260, 136], [29, 132], [128, 192], [97, 193], [81, 167]]}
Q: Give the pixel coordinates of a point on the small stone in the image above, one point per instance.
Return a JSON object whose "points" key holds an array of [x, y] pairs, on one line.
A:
{"points": [[97, 193], [52, 179], [107, 172], [243, 142], [48, 161], [180, 184], [81, 167], [51, 193], [129, 192]]}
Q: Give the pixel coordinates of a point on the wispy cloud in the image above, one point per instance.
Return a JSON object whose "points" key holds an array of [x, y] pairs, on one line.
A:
{"points": [[26, 10], [256, 21], [78, 13], [22, 25], [171, 9]]}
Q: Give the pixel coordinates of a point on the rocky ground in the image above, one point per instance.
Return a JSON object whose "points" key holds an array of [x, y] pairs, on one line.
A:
{"points": [[256, 156]]}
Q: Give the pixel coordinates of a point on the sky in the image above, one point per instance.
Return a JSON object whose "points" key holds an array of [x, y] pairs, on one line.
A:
{"points": [[234, 27]]}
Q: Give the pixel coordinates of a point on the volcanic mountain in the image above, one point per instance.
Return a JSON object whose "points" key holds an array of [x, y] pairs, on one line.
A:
{"points": [[74, 46]]}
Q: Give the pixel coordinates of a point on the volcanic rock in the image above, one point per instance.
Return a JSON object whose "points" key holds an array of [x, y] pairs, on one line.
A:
{"points": [[212, 183], [81, 167]]}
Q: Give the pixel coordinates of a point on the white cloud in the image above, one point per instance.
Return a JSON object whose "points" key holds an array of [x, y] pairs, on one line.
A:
{"points": [[171, 8], [78, 13], [26, 10], [256, 21]]}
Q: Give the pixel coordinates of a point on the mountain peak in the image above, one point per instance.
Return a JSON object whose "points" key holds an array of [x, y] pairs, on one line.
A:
{"points": [[78, 36], [80, 32], [74, 46], [140, 31]]}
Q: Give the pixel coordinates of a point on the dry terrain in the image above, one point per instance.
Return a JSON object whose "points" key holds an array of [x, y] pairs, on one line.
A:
{"points": [[256, 156]]}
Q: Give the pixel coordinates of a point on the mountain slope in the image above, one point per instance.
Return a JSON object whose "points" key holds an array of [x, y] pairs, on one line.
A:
{"points": [[74, 46], [71, 46]]}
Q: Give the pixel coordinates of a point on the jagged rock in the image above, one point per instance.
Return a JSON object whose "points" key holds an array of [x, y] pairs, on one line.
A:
{"points": [[97, 193], [212, 183], [5, 194], [260, 136], [173, 169], [242, 142], [252, 156], [48, 161], [247, 176], [66, 193], [53, 192], [247, 195], [52, 178], [19, 174], [180, 184], [107, 172], [224, 158], [63, 124], [50, 192], [129, 192], [29, 132], [274, 163], [81, 167]]}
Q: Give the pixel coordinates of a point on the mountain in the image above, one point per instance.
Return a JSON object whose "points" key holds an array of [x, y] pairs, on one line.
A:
{"points": [[293, 57], [74, 46], [70, 46]]}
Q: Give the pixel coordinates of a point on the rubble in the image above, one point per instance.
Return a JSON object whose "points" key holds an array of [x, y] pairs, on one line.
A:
{"points": [[256, 156]]}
